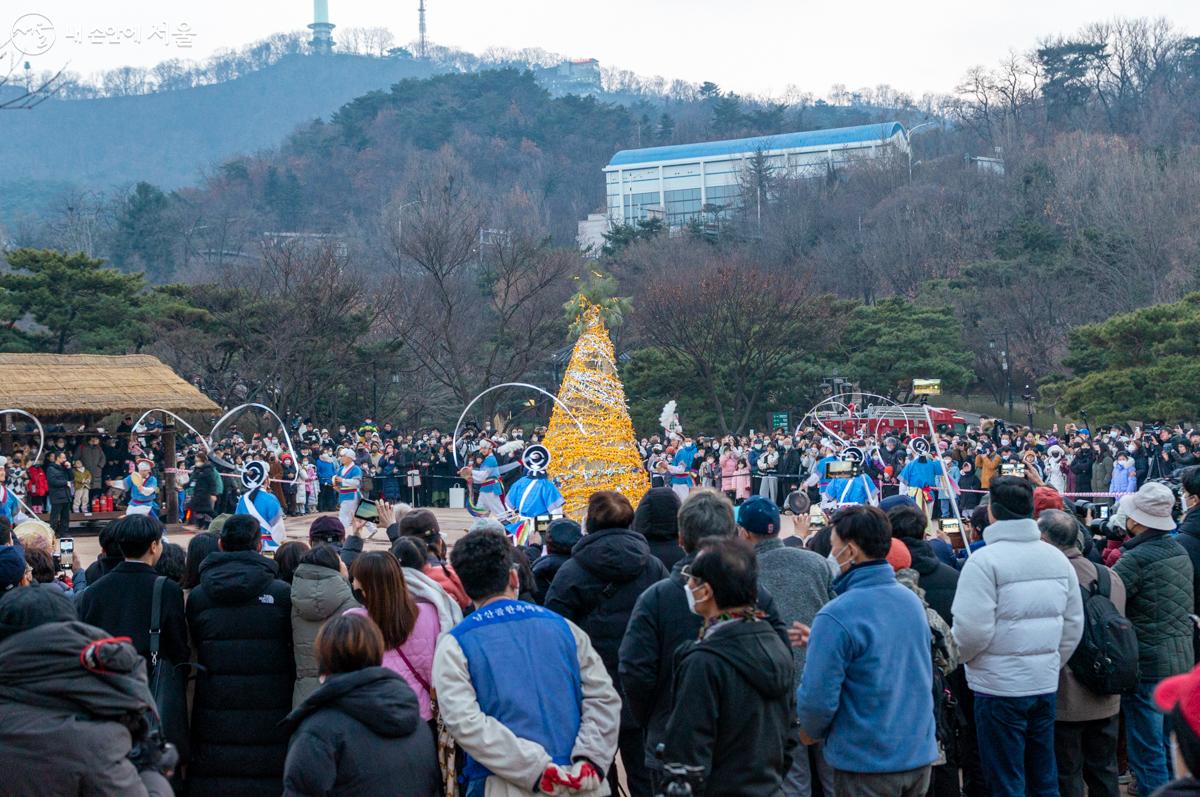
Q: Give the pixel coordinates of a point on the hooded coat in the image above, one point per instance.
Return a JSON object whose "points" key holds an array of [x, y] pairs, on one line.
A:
{"points": [[657, 519], [662, 624], [733, 710], [360, 735], [240, 618], [65, 729], [318, 593], [597, 589]]}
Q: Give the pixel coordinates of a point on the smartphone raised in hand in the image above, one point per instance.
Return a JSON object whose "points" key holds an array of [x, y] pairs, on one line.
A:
{"points": [[367, 510]]}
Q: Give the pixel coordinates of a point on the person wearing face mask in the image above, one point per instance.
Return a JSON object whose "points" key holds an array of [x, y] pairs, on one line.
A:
{"points": [[662, 623], [800, 583], [1102, 469], [867, 689], [1158, 577], [1124, 477], [733, 705]]}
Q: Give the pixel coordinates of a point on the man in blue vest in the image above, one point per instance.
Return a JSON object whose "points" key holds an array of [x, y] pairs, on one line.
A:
{"points": [[563, 735]]}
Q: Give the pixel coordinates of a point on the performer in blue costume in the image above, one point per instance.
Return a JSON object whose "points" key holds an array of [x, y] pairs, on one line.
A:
{"points": [[262, 505], [534, 494], [922, 475], [491, 489], [346, 481], [858, 490], [10, 507], [142, 487], [819, 477], [681, 469]]}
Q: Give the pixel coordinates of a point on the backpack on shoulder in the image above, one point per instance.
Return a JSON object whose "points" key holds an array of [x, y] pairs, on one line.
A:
{"points": [[1106, 661]]}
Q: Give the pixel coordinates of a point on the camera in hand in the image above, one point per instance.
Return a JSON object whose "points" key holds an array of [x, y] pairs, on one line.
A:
{"points": [[678, 780], [65, 557], [1012, 469], [367, 510], [151, 751], [843, 469]]}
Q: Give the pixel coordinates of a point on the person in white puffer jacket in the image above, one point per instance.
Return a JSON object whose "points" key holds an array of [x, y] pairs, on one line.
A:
{"points": [[1018, 616]]}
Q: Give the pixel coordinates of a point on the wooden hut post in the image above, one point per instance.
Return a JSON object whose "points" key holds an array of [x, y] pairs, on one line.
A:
{"points": [[6, 438], [171, 499]]}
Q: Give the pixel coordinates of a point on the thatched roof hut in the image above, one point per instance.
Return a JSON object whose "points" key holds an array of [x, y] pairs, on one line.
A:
{"points": [[81, 386]]}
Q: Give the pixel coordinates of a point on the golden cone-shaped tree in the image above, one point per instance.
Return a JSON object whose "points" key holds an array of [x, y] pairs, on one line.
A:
{"points": [[603, 455]]}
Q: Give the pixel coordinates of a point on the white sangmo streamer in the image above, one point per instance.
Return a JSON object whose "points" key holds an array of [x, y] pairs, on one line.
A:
{"points": [[207, 441], [466, 409]]}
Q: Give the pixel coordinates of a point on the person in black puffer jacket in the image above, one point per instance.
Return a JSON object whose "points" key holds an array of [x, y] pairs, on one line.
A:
{"points": [[240, 619], [940, 581], [657, 519], [360, 734], [562, 536], [609, 568]]}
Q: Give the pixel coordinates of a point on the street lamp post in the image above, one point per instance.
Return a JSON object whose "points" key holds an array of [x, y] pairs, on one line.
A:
{"points": [[1007, 371], [1008, 374], [909, 137], [400, 217]]}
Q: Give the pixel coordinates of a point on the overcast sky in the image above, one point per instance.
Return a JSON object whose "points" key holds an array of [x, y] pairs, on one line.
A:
{"points": [[750, 46]]}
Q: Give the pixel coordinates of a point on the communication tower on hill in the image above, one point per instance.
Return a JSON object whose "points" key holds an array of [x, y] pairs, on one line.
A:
{"points": [[421, 29], [322, 28]]}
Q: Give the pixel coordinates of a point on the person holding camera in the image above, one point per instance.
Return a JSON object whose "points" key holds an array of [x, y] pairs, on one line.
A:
{"points": [[77, 713], [1085, 723]]}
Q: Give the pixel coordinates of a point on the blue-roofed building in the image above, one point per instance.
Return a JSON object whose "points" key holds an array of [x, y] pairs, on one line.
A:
{"points": [[675, 182]]}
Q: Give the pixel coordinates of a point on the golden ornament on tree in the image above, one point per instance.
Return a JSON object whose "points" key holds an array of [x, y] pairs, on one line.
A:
{"points": [[604, 455]]}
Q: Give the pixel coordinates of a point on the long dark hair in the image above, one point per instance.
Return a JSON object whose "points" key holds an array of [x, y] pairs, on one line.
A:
{"points": [[385, 596], [198, 548]]}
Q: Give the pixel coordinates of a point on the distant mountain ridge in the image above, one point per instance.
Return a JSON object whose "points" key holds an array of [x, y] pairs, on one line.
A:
{"points": [[167, 138]]}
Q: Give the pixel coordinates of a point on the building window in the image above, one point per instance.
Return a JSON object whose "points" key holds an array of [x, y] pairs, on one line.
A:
{"points": [[637, 205], [682, 206], [723, 196]]}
